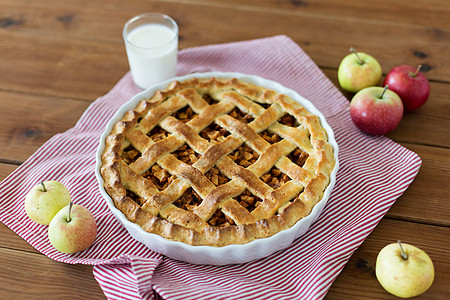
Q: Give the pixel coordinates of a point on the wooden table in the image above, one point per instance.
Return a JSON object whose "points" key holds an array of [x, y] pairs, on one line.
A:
{"points": [[56, 57]]}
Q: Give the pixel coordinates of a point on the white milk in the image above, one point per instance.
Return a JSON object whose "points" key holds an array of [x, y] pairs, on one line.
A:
{"points": [[152, 54]]}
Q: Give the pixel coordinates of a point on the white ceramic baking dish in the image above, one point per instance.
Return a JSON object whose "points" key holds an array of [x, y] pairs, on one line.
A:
{"points": [[230, 254]]}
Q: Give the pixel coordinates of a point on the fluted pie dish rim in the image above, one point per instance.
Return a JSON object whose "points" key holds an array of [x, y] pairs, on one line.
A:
{"points": [[239, 250]]}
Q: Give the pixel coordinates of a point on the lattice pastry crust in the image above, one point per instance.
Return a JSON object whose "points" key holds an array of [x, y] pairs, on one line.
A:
{"points": [[216, 162]]}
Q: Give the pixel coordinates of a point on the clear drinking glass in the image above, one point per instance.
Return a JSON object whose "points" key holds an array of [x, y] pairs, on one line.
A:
{"points": [[151, 42]]}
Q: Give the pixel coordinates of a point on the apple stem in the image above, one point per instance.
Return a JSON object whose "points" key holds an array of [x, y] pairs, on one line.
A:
{"points": [[385, 88], [404, 255], [43, 187], [353, 50], [70, 208], [416, 72]]}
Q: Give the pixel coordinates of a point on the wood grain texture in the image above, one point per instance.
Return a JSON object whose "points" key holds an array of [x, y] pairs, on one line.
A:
{"points": [[428, 125], [27, 275], [6, 169], [10, 240], [20, 137], [31, 121], [426, 199], [358, 280], [420, 13], [53, 280], [59, 67], [204, 24]]}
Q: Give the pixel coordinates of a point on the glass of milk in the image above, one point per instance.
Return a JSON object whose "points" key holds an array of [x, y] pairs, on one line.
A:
{"points": [[151, 41]]}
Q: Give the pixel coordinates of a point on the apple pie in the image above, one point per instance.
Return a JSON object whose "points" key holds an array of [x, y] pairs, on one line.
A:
{"points": [[216, 162]]}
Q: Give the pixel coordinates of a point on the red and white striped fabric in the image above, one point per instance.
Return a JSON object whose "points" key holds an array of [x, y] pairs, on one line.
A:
{"points": [[374, 172]]}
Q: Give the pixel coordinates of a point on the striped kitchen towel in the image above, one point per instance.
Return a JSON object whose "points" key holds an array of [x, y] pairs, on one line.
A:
{"points": [[374, 172]]}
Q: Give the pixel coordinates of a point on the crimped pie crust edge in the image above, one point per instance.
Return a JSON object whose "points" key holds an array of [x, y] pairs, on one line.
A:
{"points": [[210, 236]]}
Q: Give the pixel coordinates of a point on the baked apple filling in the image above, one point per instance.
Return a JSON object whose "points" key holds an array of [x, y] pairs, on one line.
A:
{"points": [[248, 200], [241, 116], [272, 138], [157, 134], [185, 114], [210, 100], [298, 157], [289, 120], [244, 156], [216, 177], [135, 197], [159, 176], [188, 201], [130, 154], [219, 219], [186, 154], [279, 121], [214, 132], [275, 178]]}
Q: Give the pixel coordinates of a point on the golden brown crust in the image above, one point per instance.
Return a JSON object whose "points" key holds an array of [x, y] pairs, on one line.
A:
{"points": [[216, 162]]}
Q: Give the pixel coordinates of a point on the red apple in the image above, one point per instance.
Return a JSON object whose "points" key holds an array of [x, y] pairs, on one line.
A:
{"points": [[411, 85], [376, 111]]}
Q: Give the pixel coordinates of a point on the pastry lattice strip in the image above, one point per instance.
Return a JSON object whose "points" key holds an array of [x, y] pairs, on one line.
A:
{"points": [[191, 137]]}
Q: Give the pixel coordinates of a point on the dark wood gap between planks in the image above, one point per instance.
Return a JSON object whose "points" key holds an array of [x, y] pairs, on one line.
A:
{"points": [[249, 34], [323, 68], [404, 143], [11, 162], [386, 216], [332, 69], [56, 96], [31, 250], [415, 221], [292, 8], [293, 12]]}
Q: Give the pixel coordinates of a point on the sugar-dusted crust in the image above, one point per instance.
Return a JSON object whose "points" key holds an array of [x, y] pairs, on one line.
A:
{"points": [[279, 188]]}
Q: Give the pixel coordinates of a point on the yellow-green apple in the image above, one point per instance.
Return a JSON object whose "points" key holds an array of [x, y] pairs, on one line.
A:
{"points": [[73, 229], [376, 111], [411, 85], [404, 270], [44, 200], [358, 70]]}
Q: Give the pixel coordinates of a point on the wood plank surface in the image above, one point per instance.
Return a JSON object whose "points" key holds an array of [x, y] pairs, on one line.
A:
{"points": [[57, 57], [45, 116], [20, 137], [426, 199], [59, 67], [43, 277], [420, 12], [204, 25], [358, 280], [6, 169], [428, 125]]}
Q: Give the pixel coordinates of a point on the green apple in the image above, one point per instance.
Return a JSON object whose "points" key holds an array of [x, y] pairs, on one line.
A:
{"points": [[73, 229], [404, 270], [358, 70], [43, 201]]}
